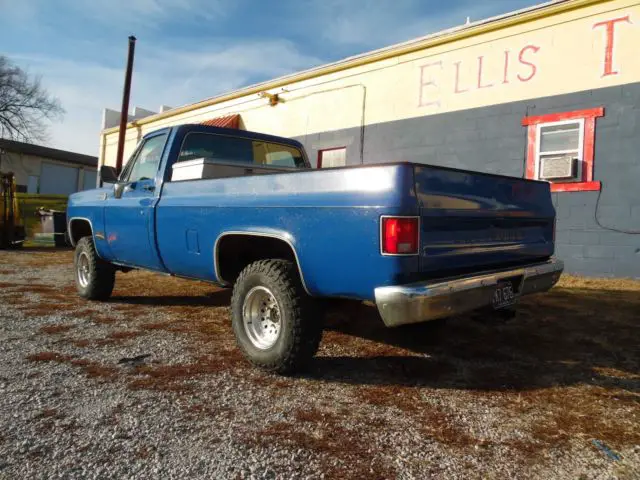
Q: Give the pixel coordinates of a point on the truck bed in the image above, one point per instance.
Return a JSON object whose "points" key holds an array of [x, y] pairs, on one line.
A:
{"points": [[468, 221]]}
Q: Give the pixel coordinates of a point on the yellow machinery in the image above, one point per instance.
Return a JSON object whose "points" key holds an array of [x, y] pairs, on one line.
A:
{"points": [[12, 231]]}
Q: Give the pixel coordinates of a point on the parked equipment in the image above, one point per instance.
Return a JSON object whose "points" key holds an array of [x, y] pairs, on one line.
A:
{"points": [[12, 231]]}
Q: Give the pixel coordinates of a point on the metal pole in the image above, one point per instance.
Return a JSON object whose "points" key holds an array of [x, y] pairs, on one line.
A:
{"points": [[124, 112]]}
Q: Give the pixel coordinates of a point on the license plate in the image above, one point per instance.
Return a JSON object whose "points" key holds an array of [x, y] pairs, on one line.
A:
{"points": [[503, 295]]}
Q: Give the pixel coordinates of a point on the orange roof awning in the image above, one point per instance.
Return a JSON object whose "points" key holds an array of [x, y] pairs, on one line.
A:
{"points": [[228, 121]]}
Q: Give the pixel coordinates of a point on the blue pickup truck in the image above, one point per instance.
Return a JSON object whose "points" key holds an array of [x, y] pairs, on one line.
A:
{"points": [[247, 211]]}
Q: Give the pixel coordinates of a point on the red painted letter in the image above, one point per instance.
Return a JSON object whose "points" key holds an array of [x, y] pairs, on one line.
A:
{"points": [[430, 82], [457, 87], [524, 62], [608, 51], [505, 78], [480, 58]]}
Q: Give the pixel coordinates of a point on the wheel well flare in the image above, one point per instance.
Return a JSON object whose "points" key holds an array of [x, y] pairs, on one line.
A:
{"points": [[234, 252]]}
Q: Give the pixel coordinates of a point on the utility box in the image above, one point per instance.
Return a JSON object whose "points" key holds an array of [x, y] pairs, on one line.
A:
{"points": [[54, 222]]}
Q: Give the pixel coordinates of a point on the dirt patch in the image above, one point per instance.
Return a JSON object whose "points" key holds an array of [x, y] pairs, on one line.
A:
{"points": [[33, 288], [347, 449], [174, 377], [95, 369], [582, 417], [49, 413], [49, 357], [54, 329], [93, 314], [434, 422], [112, 338], [13, 298], [36, 310], [44, 257], [90, 368], [124, 334]]}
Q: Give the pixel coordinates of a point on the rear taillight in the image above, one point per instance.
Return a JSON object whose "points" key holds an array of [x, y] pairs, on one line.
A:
{"points": [[400, 235]]}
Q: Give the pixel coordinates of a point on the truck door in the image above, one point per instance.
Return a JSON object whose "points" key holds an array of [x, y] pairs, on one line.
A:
{"points": [[129, 212]]}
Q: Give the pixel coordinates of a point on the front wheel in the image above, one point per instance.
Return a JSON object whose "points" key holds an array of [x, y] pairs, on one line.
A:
{"points": [[274, 320], [95, 278]]}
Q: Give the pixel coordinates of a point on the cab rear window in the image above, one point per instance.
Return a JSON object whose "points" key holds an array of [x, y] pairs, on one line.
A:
{"points": [[226, 149]]}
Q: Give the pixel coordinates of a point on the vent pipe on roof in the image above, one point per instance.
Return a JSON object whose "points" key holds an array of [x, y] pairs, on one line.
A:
{"points": [[125, 103]]}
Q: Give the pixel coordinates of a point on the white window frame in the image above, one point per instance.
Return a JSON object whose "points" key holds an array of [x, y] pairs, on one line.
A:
{"points": [[540, 126]]}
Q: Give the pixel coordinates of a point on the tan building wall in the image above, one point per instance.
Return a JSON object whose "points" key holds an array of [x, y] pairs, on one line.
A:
{"points": [[568, 47], [24, 166]]}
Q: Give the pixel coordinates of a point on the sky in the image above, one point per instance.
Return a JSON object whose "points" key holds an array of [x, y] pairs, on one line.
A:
{"points": [[190, 50]]}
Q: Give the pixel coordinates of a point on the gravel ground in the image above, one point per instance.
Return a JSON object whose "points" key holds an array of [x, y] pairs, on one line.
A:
{"points": [[150, 385]]}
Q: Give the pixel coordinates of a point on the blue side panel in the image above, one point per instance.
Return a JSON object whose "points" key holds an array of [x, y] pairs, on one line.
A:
{"points": [[129, 227], [331, 217], [89, 205]]}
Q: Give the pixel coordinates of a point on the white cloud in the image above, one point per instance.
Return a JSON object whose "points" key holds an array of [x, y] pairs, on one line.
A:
{"points": [[122, 14], [149, 14], [378, 23], [169, 77], [181, 67]]}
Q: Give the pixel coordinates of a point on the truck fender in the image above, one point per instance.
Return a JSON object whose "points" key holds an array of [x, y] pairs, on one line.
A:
{"points": [[79, 227], [284, 237]]}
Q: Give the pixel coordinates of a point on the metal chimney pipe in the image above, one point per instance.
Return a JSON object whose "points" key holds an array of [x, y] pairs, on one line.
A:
{"points": [[124, 112]]}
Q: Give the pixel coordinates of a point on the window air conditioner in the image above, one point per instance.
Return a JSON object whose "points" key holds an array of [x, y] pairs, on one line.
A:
{"points": [[558, 167]]}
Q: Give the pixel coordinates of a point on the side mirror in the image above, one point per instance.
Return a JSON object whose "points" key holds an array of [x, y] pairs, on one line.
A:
{"points": [[108, 174]]}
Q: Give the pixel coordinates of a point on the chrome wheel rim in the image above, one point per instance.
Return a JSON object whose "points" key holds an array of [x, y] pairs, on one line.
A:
{"points": [[261, 318], [83, 270]]}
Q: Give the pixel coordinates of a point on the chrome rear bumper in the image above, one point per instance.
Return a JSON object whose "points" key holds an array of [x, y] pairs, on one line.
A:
{"points": [[423, 301]]}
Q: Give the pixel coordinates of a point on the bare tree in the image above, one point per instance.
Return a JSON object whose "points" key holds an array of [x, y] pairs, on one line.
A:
{"points": [[25, 105]]}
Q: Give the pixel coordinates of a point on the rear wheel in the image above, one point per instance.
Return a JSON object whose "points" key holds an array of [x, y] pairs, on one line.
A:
{"points": [[95, 278], [274, 320]]}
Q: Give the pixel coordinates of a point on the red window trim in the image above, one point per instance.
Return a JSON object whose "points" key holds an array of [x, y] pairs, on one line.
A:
{"points": [[321, 151], [589, 115]]}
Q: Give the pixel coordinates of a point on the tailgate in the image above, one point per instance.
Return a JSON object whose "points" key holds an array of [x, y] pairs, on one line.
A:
{"points": [[475, 221]]}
